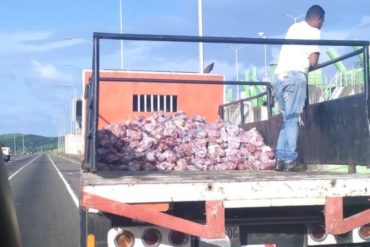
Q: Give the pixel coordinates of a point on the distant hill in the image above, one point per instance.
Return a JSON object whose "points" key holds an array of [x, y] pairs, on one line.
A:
{"points": [[32, 143]]}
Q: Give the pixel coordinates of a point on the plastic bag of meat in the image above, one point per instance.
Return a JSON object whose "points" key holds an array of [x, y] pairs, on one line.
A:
{"points": [[178, 142]]}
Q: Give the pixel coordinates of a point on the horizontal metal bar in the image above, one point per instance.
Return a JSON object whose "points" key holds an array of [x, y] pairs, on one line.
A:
{"points": [[337, 223], [245, 99], [125, 79], [214, 212], [250, 221], [233, 40], [345, 56]]}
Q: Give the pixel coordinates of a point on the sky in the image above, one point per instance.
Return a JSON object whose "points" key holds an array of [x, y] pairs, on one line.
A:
{"points": [[45, 45]]}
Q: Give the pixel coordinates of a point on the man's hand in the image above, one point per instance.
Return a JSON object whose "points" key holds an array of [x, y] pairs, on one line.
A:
{"points": [[313, 59]]}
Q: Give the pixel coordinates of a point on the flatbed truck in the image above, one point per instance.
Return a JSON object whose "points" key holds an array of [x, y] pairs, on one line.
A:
{"points": [[227, 208]]}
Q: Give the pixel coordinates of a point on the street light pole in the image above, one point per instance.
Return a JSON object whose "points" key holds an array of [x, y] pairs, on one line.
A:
{"points": [[58, 139], [236, 50], [68, 113], [263, 36], [63, 134], [121, 27], [61, 131], [200, 32], [295, 18], [15, 147], [23, 141], [79, 39], [72, 86], [237, 67]]}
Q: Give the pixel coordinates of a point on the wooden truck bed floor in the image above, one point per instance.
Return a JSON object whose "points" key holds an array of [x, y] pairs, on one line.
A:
{"points": [[234, 188]]}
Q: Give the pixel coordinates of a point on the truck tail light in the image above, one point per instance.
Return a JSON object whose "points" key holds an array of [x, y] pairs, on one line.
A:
{"points": [[177, 238], [125, 239], [364, 232], [317, 232], [151, 237], [90, 240]]}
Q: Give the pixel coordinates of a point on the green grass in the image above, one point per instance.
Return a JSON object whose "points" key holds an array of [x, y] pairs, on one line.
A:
{"points": [[344, 169]]}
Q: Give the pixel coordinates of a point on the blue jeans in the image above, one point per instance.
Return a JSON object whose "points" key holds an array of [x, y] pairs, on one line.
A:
{"points": [[290, 91]]}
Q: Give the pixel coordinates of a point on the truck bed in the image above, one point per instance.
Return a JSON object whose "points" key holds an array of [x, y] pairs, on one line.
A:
{"points": [[234, 188]]}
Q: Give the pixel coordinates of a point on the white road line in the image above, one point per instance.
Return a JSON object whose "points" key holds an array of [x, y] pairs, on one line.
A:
{"points": [[60, 156], [69, 189], [11, 176]]}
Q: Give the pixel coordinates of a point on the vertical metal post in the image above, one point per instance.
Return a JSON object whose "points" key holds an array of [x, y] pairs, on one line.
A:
{"points": [[241, 112], [88, 129], [95, 111], [269, 101], [367, 82], [221, 112]]}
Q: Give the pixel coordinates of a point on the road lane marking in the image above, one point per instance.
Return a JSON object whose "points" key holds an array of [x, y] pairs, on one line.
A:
{"points": [[60, 156], [69, 189], [20, 169]]}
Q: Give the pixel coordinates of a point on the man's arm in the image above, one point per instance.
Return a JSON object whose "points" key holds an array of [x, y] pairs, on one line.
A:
{"points": [[313, 59]]}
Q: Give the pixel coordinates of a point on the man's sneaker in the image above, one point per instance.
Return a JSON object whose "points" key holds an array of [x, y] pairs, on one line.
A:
{"points": [[294, 166], [279, 165]]}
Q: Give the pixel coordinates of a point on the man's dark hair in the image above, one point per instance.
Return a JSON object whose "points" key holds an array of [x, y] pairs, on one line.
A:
{"points": [[315, 11]]}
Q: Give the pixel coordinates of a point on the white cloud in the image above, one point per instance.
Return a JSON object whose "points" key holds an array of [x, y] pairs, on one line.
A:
{"points": [[49, 73], [38, 41], [361, 30], [365, 22], [336, 34]]}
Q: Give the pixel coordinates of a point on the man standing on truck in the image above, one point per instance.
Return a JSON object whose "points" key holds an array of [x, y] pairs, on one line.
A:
{"points": [[290, 85]]}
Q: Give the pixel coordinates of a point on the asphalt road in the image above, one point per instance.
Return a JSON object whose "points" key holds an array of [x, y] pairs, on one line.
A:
{"points": [[45, 189]]}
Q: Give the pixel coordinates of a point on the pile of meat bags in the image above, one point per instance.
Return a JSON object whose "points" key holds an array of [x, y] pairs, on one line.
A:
{"points": [[178, 142]]}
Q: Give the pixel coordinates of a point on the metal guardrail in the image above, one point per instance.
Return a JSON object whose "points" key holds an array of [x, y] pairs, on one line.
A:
{"points": [[242, 102]]}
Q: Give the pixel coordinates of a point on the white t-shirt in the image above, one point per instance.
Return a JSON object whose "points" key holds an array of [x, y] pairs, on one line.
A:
{"points": [[295, 57]]}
